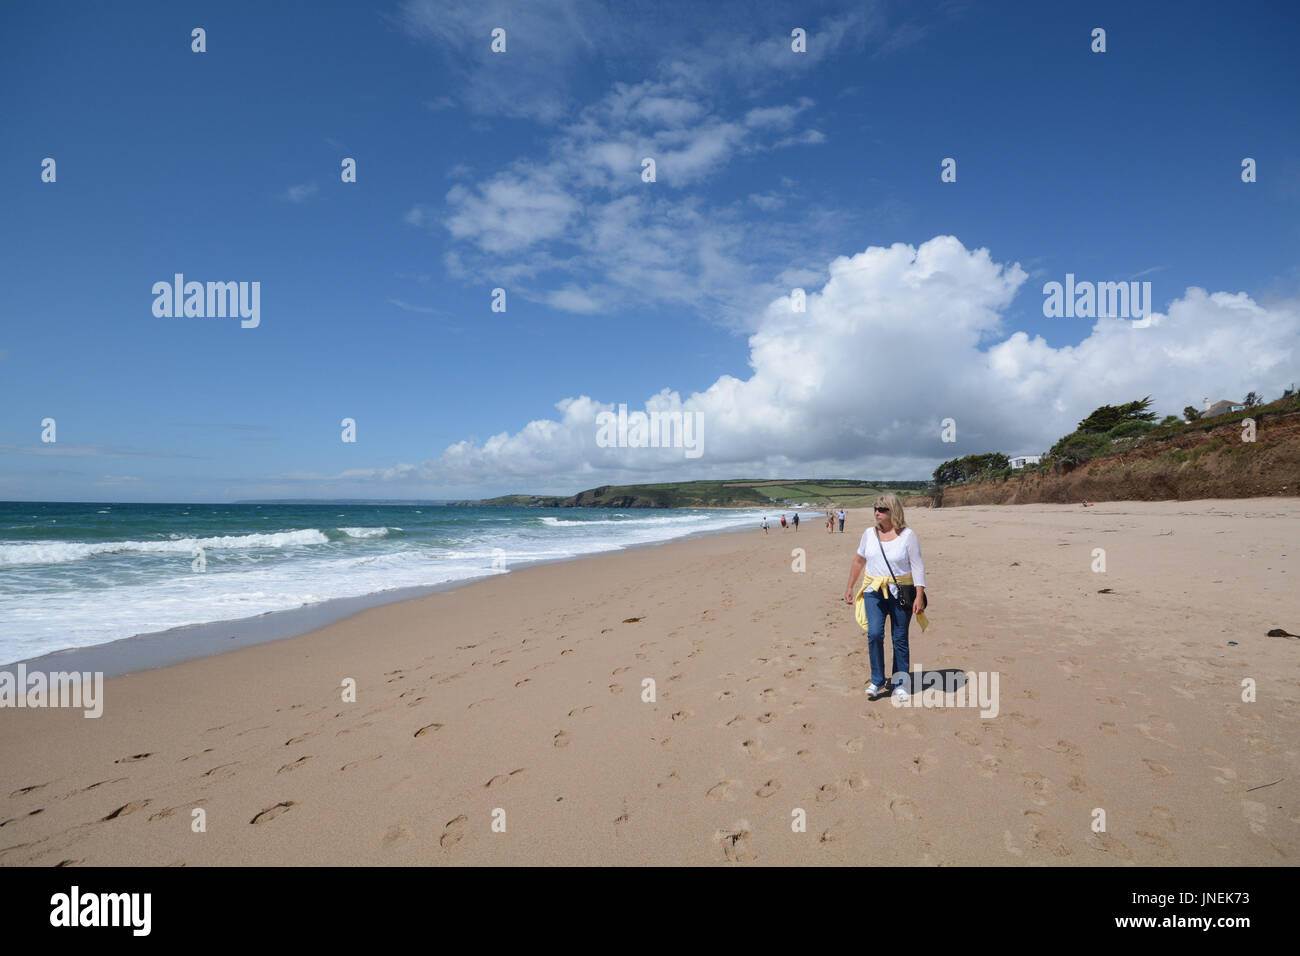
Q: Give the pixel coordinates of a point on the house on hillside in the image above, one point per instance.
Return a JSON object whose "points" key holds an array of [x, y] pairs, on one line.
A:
{"points": [[1223, 408], [1025, 460]]}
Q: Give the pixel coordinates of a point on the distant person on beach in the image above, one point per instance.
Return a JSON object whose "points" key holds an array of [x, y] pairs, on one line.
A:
{"points": [[796, 521], [841, 517], [764, 524], [782, 522], [830, 522], [890, 551]]}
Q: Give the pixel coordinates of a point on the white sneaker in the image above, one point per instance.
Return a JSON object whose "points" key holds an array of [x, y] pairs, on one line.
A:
{"points": [[873, 690], [901, 694]]}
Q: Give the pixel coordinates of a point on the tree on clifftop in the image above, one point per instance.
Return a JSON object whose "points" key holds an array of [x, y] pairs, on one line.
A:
{"points": [[1108, 416]]}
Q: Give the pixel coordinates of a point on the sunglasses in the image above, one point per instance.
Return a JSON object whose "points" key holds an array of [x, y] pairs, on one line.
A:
{"points": [[885, 510]]}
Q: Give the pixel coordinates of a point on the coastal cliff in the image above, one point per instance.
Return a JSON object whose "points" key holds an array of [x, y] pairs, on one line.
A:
{"points": [[1208, 463]]}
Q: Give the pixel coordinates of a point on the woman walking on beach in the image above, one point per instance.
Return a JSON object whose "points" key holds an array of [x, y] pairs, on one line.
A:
{"points": [[890, 552]]}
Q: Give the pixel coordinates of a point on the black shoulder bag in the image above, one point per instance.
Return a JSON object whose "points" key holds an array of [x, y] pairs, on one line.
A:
{"points": [[906, 592]]}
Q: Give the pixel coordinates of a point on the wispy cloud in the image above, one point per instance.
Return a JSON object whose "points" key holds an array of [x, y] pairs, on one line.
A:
{"points": [[62, 450], [406, 306], [301, 193], [237, 427]]}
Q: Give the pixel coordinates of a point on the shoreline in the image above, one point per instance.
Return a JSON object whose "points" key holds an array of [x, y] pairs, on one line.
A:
{"points": [[188, 642], [403, 734]]}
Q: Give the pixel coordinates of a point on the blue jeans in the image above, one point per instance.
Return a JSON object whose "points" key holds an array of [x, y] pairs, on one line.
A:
{"points": [[877, 609]]}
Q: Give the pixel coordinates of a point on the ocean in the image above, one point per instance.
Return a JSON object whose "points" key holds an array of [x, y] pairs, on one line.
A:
{"points": [[76, 575]]}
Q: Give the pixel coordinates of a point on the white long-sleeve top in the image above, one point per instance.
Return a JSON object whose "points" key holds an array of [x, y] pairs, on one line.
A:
{"points": [[904, 554]]}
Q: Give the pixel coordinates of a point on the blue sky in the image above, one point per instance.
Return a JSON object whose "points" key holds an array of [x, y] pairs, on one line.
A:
{"points": [[522, 170]]}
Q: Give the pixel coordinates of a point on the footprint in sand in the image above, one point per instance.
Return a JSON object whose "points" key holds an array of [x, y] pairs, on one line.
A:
{"points": [[521, 683], [23, 790], [854, 745], [769, 788], [270, 813], [1107, 727], [394, 837], [827, 792], [1158, 729], [616, 688], [169, 811], [1227, 774], [808, 728], [1108, 844], [1159, 769], [453, 832], [561, 739], [121, 811], [1165, 817], [357, 763], [1048, 839], [832, 833], [1067, 749], [619, 670], [966, 737], [295, 765], [133, 759], [1038, 786], [735, 843], [903, 809], [1256, 815], [766, 718], [679, 715], [428, 729], [721, 790], [579, 711], [725, 695], [673, 776], [100, 784], [988, 766], [857, 782], [1156, 841], [734, 720]]}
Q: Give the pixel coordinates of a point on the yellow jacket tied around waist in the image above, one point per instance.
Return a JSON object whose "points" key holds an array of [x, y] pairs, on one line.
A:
{"points": [[881, 584]]}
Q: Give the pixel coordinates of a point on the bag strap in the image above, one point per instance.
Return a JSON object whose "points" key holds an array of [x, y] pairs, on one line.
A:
{"points": [[887, 564]]}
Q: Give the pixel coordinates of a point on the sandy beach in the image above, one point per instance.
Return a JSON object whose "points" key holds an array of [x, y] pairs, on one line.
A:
{"points": [[518, 701]]}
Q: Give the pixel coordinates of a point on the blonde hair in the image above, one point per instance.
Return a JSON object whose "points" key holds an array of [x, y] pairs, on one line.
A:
{"points": [[895, 507]]}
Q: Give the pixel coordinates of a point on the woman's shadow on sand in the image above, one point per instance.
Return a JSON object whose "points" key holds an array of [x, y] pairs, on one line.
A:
{"points": [[945, 679]]}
